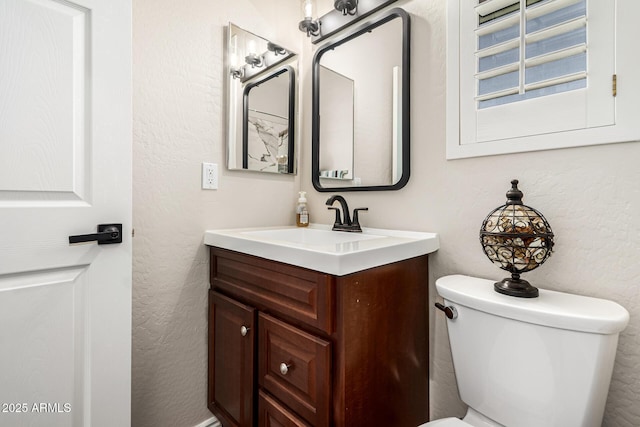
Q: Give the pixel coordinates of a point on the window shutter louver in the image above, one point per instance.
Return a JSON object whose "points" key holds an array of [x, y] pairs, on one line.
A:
{"points": [[527, 49]]}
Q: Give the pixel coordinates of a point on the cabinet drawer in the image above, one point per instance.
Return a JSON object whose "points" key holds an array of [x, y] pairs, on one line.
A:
{"points": [[294, 292], [273, 414], [295, 367]]}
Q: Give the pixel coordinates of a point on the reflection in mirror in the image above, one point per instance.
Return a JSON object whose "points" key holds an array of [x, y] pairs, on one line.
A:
{"points": [[361, 108], [336, 127], [268, 105], [261, 98]]}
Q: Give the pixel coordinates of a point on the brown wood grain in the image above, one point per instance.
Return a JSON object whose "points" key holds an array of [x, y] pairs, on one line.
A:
{"points": [[359, 341], [231, 381]]}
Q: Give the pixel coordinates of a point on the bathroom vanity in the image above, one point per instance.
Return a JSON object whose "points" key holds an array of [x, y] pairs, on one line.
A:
{"points": [[325, 346]]}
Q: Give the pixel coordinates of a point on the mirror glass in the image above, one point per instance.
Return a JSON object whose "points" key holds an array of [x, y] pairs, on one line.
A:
{"points": [[336, 110], [261, 104], [360, 130]]}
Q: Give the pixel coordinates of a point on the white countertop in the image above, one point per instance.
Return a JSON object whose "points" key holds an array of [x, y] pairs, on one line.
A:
{"points": [[318, 248]]}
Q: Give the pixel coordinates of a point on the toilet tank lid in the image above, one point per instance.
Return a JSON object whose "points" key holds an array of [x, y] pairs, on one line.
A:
{"points": [[551, 308]]}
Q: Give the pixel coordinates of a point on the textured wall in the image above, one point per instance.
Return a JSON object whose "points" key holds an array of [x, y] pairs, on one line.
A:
{"points": [[179, 123], [590, 195]]}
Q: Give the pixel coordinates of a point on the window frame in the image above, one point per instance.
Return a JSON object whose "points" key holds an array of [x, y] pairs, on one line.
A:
{"points": [[626, 127]]}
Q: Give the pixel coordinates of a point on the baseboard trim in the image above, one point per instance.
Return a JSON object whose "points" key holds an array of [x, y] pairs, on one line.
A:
{"points": [[211, 422]]}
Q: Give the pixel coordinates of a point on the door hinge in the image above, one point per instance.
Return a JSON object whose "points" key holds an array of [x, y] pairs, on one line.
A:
{"points": [[614, 86]]}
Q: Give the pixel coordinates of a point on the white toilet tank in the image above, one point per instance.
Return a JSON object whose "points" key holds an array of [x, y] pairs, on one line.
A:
{"points": [[532, 362]]}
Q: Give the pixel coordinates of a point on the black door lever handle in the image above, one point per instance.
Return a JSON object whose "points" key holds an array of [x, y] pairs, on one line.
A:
{"points": [[107, 234]]}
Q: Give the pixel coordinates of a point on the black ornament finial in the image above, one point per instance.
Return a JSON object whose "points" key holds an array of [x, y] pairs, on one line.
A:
{"points": [[514, 195]]}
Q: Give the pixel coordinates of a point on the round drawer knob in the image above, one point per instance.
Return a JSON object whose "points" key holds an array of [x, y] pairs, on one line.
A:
{"points": [[244, 331], [284, 368]]}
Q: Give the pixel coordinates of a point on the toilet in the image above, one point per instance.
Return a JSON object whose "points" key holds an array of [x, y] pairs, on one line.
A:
{"points": [[529, 362]]}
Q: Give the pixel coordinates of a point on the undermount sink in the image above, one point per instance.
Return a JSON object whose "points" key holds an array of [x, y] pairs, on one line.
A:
{"points": [[319, 248]]}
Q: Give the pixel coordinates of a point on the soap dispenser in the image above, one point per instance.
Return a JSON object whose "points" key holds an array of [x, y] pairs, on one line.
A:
{"points": [[302, 213]]}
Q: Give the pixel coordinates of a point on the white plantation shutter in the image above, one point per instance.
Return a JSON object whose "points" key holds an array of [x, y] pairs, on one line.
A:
{"points": [[528, 52], [555, 76], [527, 69]]}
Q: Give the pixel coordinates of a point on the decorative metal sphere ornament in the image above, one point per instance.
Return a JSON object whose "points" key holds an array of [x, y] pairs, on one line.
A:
{"points": [[516, 238]]}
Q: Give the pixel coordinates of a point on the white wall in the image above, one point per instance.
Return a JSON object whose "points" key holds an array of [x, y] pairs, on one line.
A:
{"points": [[179, 122], [590, 196]]}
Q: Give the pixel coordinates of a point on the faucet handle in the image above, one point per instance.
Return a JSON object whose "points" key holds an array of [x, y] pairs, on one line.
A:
{"points": [[355, 216], [338, 220]]}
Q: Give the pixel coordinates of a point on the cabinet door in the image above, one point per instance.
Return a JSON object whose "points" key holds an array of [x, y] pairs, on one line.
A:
{"points": [[231, 361]]}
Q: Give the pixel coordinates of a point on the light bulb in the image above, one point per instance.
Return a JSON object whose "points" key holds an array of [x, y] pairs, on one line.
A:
{"points": [[308, 9], [251, 47]]}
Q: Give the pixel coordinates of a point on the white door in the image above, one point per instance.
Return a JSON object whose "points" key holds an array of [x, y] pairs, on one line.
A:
{"points": [[65, 167]]}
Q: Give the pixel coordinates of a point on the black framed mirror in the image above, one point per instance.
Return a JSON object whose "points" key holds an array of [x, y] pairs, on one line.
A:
{"points": [[361, 105]]}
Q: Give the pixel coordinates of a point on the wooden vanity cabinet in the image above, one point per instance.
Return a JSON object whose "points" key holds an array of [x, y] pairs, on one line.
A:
{"points": [[319, 350]]}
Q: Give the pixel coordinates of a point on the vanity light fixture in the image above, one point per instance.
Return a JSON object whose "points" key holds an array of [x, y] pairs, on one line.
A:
{"points": [[346, 7], [517, 238], [276, 49], [308, 24], [237, 72], [252, 58], [343, 14]]}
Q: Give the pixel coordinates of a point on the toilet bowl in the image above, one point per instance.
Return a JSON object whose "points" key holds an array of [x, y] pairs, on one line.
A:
{"points": [[471, 419], [446, 422], [529, 362]]}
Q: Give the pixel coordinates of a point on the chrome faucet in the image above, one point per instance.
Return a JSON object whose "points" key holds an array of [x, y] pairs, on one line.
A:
{"points": [[347, 224]]}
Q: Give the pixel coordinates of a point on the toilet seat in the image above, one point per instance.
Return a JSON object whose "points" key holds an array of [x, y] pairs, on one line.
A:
{"points": [[446, 422]]}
